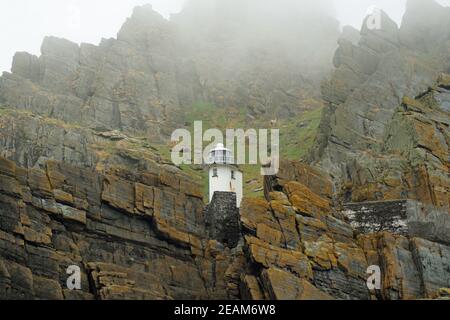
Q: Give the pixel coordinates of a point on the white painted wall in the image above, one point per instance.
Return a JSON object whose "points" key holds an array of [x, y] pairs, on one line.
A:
{"points": [[224, 183]]}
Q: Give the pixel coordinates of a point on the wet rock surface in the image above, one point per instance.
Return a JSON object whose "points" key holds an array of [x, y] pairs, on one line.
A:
{"points": [[132, 236], [384, 134], [144, 81], [78, 187], [140, 236]]}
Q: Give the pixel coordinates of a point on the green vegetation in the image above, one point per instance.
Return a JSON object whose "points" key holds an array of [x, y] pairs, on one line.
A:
{"points": [[6, 111], [297, 136]]}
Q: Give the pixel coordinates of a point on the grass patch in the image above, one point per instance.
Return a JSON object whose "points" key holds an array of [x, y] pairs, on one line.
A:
{"points": [[297, 137]]}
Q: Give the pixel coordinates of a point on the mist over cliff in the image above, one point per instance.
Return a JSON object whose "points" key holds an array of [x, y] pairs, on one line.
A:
{"points": [[86, 178], [301, 33], [263, 60]]}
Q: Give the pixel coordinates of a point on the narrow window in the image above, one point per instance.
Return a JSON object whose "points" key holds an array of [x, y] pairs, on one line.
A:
{"points": [[215, 175], [232, 175]]}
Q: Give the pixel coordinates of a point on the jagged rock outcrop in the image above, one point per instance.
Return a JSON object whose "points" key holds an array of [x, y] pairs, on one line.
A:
{"points": [[374, 138], [384, 136], [414, 158], [92, 87], [31, 140], [83, 189], [145, 80], [331, 255], [133, 236], [142, 236]]}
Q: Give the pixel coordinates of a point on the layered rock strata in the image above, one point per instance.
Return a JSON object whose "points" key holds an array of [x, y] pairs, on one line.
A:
{"points": [[142, 235]]}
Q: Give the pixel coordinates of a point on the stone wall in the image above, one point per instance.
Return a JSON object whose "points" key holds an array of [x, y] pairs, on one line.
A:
{"points": [[222, 219], [377, 216], [405, 217]]}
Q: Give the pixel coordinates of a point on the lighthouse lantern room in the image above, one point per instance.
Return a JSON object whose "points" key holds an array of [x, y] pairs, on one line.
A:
{"points": [[224, 176]]}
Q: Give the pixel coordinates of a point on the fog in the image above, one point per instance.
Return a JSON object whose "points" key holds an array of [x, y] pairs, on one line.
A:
{"points": [[24, 23], [287, 30]]}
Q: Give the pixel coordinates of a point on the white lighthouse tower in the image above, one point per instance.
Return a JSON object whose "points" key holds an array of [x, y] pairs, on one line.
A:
{"points": [[224, 176]]}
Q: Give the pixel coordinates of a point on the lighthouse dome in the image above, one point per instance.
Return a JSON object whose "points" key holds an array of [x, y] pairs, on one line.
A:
{"points": [[220, 155]]}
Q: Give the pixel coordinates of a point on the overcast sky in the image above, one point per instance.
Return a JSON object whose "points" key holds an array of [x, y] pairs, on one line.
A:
{"points": [[24, 23]]}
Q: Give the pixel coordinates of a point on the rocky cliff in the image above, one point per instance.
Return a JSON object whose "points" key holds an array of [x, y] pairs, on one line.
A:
{"points": [[384, 134], [85, 182], [144, 82], [142, 236]]}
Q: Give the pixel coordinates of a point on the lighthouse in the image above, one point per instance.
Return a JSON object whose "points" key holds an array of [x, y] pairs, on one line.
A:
{"points": [[224, 176]]}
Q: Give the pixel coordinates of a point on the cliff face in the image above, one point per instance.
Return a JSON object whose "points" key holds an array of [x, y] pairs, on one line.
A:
{"points": [[142, 236], [133, 236], [83, 181], [375, 137], [145, 82], [413, 160]]}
